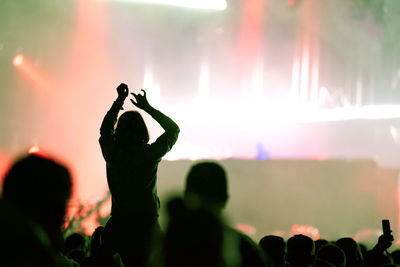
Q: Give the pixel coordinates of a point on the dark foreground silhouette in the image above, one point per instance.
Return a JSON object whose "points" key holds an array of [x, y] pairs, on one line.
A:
{"points": [[36, 191]]}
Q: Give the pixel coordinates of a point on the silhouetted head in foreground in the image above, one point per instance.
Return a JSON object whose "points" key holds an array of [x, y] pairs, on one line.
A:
{"points": [[300, 251], [207, 184], [131, 129], [40, 188], [332, 254], [319, 243], [75, 241], [274, 246], [352, 251]]}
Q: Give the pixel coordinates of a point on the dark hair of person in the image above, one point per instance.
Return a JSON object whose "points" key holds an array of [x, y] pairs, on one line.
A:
{"points": [[131, 128], [208, 180], [38, 180]]}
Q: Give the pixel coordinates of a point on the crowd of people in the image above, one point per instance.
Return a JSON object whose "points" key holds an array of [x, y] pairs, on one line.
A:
{"points": [[36, 191]]}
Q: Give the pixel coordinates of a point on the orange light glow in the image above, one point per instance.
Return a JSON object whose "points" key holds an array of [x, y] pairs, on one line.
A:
{"points": [[4, 165], [90, 224], [307, 230], [17, 60], [34, 149], [246, 228]]}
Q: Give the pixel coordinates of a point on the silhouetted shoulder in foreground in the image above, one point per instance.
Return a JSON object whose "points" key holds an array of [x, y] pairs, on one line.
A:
{"points": [[194, 237]]}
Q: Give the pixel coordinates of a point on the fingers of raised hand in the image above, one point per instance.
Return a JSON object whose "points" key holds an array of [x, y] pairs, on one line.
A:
{"points": [[133, 102], [123, 86]]}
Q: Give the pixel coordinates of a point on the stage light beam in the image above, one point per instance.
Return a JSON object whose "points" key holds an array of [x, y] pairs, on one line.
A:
{"points": [[31, 72]]}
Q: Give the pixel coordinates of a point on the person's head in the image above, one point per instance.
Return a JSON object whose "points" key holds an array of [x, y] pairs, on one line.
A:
{"points": [[75, 241], [332, 254], [300, 251], [207, 183], [131, 129], [319, 243], [40, 187], [274, 246], [352, 251]]}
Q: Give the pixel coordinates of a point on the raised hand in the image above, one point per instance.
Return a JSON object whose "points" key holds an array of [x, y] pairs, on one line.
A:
{"points": [[141, 101], [122, 90], [385, 241]]}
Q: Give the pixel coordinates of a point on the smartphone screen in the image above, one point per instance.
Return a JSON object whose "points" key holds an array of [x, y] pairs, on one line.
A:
{"points": [[386, 227]]}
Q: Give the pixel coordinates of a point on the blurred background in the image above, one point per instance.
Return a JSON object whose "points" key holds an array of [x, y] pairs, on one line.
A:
{"points": [[309, 86]]}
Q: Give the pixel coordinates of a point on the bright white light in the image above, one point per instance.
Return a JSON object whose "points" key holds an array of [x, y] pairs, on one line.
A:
{"points": [[305, 64], [204, 83], [202, 4], [296, 76], [17, 60], [148, 79], [393, 132], [152, 88], [323, 96], [315, 76], [258, 81], [33, 149]]}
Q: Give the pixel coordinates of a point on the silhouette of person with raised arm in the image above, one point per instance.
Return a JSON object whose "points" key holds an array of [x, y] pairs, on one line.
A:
{"points": [[378, 255], [132, 176]]}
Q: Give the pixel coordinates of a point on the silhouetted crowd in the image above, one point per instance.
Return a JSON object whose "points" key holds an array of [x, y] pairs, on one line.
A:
{"points": [[36, 190]]}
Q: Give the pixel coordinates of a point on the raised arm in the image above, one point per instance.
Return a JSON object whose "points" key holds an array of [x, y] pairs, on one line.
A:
{"points": [[107, 126], [164, 143]]}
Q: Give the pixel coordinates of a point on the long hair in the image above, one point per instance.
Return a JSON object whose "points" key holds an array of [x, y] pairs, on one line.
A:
{"points": [[131, 129]]}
